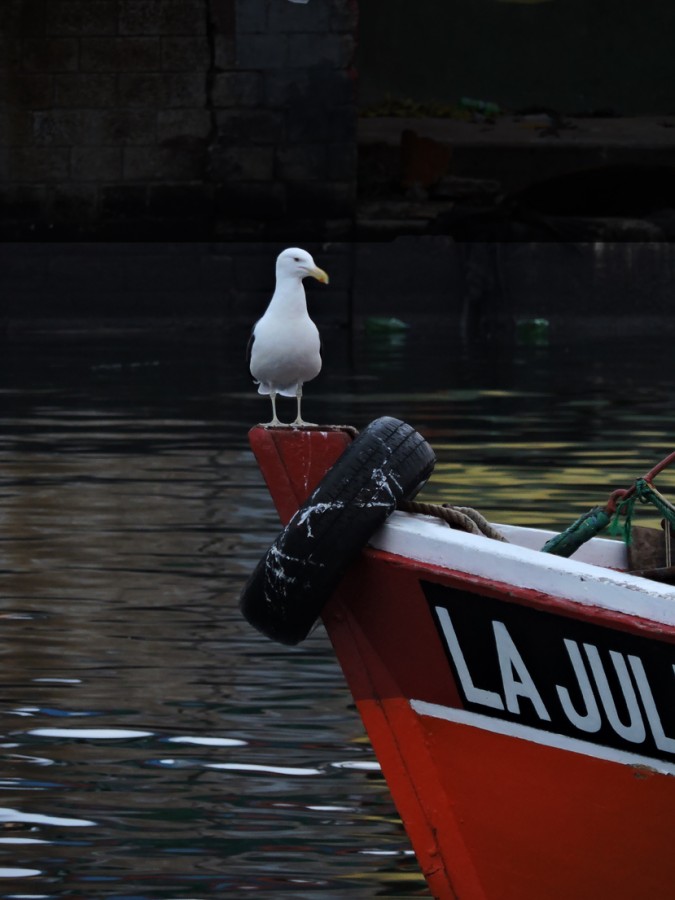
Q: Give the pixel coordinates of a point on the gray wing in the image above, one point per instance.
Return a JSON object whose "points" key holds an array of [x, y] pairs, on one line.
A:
{"points": [[249, 347]]}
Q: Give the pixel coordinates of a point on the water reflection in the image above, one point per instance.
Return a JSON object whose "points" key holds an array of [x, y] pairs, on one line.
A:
{"points": [[153, 745]]}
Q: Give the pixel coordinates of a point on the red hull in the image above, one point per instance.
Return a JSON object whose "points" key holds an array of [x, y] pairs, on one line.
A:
{"points": [[497, 807], [490, 815]]}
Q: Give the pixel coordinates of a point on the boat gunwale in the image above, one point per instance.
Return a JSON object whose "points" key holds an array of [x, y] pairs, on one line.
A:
{"points": [[428, 541]]}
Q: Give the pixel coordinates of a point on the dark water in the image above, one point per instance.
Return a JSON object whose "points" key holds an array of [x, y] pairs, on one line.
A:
{"points": [[152, 744]]}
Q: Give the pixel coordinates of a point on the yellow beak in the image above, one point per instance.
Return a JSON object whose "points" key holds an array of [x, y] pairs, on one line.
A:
{"points": [[319, 274]]}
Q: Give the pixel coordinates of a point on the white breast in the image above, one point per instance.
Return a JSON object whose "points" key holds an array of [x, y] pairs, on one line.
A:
{"points": [[285, 352]]}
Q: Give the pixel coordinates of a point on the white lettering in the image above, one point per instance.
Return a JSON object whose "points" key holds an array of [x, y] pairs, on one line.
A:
{"points": [[590, 720], [511, 661], [660, 739], [634, 731], [472, 693]]}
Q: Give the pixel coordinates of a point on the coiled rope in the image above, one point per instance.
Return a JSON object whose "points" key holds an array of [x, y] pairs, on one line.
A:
{"points": [[461, 517]]}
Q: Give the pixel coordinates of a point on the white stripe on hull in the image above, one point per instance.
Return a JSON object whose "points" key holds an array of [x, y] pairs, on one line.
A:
{"points": [[539, 736]]}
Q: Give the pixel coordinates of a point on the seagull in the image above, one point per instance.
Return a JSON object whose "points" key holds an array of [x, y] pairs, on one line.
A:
{"points": [[284, 349]]}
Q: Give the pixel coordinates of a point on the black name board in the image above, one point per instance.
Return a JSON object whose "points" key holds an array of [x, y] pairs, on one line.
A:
{"points": [[558, 674]]}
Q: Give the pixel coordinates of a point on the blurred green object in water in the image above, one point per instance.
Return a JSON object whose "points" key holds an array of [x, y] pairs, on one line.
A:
{"points": [[482, 107], [385, 325], [534, 332]]}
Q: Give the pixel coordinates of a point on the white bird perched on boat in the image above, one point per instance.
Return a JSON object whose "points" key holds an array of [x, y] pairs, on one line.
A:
{"points": [[284, 350]]}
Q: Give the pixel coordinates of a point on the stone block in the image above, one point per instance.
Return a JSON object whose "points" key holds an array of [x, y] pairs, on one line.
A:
{"points": [[301, 162], [130, 54], [245, 163], [84, 91], [284, 18], [49, 54], [224, 51], [10, 55], [81, 17], [283, 87], [336, 50], [163, 17], [249, 126], [223, 17], [26, 91], [237, 89], [142, 89], [140, 17], [262, 51], [251, 16], [184, 17], [185, 54], [181, 123], [22, 18], [96, 164], [185, 90], [9, 13], [164, 163], [93, 127], [59, 127], [39, 164], [125, 126], [310, 93], [16, 127]]}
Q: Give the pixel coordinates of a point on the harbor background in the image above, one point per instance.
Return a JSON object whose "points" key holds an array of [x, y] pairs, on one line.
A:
{"points": [[339, 120]]}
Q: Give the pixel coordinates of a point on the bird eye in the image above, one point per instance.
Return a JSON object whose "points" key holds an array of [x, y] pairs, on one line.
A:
{"points": [[296, 259]]}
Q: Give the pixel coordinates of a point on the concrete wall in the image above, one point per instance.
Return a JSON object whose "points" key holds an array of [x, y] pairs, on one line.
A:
{"points": [[181, 118], [575, 56]]}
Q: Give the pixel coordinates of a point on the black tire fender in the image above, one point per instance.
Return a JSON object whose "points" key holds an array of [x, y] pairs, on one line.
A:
{"points": [[386, 463]]}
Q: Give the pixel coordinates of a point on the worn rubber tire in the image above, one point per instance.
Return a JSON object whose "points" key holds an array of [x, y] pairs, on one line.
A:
{"points": [[388, 462]]}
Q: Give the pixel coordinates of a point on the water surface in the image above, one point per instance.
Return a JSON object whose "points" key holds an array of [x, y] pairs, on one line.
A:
{"points": [[153, 745]]}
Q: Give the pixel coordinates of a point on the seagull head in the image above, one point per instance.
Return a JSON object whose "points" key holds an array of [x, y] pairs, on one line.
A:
{"points": [[297, 263]]}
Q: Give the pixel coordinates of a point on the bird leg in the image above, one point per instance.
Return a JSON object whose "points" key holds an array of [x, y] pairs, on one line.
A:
{"points": [[275, 423], [298, 419]]}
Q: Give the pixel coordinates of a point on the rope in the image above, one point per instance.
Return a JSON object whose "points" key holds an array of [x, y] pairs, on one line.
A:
{"points": [[645, 493], [461, 517]]}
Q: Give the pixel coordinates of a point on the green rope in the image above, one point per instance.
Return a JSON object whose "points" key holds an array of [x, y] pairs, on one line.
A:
{"points": [[585, 527], [594, 521], [624, 511], [647, 493]]}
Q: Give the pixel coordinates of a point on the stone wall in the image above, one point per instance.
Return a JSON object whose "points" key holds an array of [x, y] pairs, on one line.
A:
{"points": [[176, 118]]}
